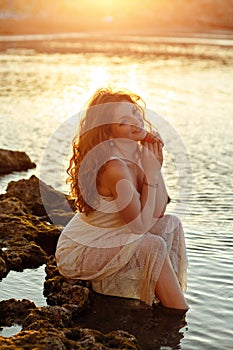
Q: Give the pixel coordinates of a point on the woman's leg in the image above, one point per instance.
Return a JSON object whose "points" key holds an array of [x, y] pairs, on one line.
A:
{"points": [[170, 229], [168, 289]]}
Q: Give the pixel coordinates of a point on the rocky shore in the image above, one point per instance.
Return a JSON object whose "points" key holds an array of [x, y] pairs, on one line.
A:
{"points": [[76, 317]]}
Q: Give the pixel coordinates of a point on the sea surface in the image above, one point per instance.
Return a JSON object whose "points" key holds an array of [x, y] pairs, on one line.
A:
{"points": [[187, 85]]}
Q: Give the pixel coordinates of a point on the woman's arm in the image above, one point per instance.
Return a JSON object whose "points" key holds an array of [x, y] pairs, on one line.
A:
{"points": [[161, 198], [136, 211]]}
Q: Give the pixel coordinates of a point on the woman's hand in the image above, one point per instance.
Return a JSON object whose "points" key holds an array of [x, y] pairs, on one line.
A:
{"points": [[152, 159], [153, 137]]}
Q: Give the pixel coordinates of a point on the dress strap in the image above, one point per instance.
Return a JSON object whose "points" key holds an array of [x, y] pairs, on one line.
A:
{"points": [[123, 160], [118, 158]]}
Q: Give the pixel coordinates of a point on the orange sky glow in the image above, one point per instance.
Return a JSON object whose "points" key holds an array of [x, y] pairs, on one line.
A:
{"points": [[121, 15], [118, 12], [113, 8]]}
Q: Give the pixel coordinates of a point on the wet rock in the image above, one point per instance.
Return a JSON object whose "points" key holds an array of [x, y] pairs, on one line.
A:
{"points": [[51, 269], [14, 206], [38, 197], [52, 327], [29, 256], [14, 161], [43, 339], [55, 316], [74, 298], [19, 230], [93, 339], [28, 242], [13, 228], [63, 339], [14, 311], [74, 295]]}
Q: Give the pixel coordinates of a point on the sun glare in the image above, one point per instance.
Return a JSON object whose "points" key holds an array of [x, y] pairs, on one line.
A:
{"points": [[113, 6], [109, 9]]}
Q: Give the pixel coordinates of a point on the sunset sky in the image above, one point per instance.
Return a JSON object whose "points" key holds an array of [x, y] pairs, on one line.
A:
{"points": [[123, 14], [113, 8]]}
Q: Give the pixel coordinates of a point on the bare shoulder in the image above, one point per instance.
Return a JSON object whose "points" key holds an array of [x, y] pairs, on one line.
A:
{"points": [[114, 171], [116, 168]]}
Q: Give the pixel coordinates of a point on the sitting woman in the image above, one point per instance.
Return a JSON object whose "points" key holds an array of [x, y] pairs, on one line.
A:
{"points": [[120, 239]]}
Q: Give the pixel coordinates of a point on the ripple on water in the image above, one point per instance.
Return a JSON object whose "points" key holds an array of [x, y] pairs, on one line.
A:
{"points": [[24, 285], [210, 295]]}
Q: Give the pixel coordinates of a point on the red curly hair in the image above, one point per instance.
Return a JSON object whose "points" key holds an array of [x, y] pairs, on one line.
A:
{"points": [[94, 130]]}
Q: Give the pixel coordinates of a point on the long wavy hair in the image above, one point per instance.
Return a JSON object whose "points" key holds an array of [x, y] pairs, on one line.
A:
{"points": [[88, 160]]}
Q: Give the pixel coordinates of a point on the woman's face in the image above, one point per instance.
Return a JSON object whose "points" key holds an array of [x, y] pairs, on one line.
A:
{"points": [[127, 122]]}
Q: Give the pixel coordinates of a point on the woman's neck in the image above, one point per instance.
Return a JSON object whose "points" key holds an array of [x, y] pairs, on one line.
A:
{"points": [[126, 149]]}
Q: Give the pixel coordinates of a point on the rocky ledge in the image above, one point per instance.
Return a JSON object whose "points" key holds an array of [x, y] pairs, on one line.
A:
{"points": [[14, 161], [52, 327], [32, 215]]}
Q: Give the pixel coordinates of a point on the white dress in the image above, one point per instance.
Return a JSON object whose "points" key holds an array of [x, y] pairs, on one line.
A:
{"points": [[102, 249]]}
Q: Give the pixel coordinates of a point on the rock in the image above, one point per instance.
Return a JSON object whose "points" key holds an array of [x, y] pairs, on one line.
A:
{"points": [[51, 269], [13, 205], [38, 197], [76, 339], [74, 298], [14, 161], [96, 340], [14, 228], [28, 242], [52, 327], [14, 311], [74, 295], [43, 339], [29, 256], [55, 316], [18, 230]]}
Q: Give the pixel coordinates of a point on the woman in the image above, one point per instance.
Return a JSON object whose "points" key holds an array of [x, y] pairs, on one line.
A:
{"points": [[120, 238]]}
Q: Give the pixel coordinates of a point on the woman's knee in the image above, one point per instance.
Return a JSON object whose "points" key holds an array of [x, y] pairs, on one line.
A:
{"points": [[173, 221], [158, 242]]}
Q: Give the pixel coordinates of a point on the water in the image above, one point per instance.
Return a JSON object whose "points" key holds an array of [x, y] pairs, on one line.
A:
{"points": [[191, 87]]}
